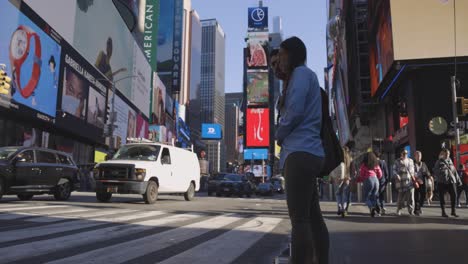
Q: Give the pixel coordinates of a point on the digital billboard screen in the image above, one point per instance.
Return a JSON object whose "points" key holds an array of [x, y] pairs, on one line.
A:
{"points": [[32, 56], [258, 127], [258, 17], [255, 154], [257, 87], [257, 50], [211, 131]]}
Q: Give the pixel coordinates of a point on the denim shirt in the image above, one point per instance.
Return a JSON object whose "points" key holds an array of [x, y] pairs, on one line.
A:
{"points": [[301, 116]]}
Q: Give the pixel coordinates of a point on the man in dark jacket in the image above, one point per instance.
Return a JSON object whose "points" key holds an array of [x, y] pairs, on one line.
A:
{"points": [[422, 174], [382, 183]]}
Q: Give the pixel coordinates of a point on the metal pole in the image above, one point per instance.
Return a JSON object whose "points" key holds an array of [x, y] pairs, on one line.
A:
{"points": [[112, 115], [219, 156], [455, 119]]}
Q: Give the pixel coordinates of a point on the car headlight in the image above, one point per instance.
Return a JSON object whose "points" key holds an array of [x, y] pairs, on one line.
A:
{"points": [[140, 174], [96, 173]]}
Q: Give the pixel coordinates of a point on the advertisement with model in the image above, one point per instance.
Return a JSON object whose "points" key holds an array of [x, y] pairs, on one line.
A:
{"points": [[113, 50], [83, 96], [159, 101], [258, 127], [32, 57]]}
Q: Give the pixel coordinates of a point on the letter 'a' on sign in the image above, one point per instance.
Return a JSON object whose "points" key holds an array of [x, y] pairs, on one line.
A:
{"points": [[212, 131]]}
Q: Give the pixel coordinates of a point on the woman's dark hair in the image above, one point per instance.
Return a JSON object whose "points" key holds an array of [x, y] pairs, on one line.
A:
{"points": [[370, 160], [274, 52], [52, 60], [296, 50]]}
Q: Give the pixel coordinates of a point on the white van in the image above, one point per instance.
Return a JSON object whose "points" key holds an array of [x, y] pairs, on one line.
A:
{"points": [[148, 169]]}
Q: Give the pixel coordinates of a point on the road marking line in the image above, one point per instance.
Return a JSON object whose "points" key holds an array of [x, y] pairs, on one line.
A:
{"points": [[25, 233], [37, 248], [232, 243], [136, 248], [9, 210]]}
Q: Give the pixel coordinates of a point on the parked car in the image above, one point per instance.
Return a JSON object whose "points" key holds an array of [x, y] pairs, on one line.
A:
{"points": [[148, 168], [214, 181], [265, 188], [278, 184], [235, 184], [29, 171]]}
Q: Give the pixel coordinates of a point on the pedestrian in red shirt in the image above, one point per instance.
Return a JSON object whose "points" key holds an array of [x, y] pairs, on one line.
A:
{"points": [[370, 173]]}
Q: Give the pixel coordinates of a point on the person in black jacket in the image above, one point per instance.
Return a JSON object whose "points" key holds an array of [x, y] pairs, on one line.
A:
{"points": [[422, 175], [382, 183], [447, 180]]}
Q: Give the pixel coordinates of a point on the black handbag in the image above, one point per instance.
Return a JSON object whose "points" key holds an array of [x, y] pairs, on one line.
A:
{"points": [[331, 145]]}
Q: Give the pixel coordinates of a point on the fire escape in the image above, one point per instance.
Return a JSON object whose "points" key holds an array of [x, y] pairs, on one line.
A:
{"points": [[363, 70]]}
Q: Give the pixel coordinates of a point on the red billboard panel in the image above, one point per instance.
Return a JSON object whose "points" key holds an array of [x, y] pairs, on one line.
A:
{"points": [[258, 127]]}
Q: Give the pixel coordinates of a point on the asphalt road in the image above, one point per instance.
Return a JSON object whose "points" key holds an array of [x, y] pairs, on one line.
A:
{"points": [[213, 230]]}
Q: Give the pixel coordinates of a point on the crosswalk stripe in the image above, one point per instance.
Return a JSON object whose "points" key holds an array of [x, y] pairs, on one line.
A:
{"points": [[14, 253], [51, 217], [132, 249], [11, 205], [129, 217], [31, 208], [232, 243], [32, 232]]}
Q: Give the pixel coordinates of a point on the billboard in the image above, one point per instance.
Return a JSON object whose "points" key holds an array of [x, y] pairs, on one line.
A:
{"points": [[258, 18], [257, 87], [257, 50], [113, 50], [83, 96], [32, 55], [258, 127], [380, 44], [158, 133], [142, 130], [169, 57], [255, 154], [432, 34], [126, 119], [159, 99], [211, 131]]}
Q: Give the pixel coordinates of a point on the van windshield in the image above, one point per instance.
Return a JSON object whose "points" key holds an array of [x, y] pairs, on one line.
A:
{"points": [[137, 152]]}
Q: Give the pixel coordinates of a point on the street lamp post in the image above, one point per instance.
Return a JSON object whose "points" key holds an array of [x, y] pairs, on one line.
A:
{"points": [[112, 115]]}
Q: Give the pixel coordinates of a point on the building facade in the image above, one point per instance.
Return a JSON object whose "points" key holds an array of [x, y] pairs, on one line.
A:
{"points": [[232, 126], [212, 88]]}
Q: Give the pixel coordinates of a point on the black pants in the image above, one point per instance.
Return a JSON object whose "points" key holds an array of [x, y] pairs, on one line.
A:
{"points": [[451, 189], [310, 239], [381, 198], [419, 197], [461, 189]]}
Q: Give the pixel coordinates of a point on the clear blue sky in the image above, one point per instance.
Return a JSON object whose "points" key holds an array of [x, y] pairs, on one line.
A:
{"points": [[303, 18]]}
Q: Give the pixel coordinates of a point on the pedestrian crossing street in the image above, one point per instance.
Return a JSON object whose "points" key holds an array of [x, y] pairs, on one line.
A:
{"points": [[64, 233]]}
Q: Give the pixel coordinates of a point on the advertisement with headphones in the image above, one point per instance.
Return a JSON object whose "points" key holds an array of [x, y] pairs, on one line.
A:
{"points": [[32, 56]]}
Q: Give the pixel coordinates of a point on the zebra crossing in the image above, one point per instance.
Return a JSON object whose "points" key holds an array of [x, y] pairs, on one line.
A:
{"points": [[68, 233]]}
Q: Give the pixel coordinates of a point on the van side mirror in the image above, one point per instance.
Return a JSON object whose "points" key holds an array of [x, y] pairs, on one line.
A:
{"points": [[18, 160]]}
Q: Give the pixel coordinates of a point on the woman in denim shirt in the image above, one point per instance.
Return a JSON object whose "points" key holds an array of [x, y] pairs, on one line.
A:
{"points": [[302, 154]]}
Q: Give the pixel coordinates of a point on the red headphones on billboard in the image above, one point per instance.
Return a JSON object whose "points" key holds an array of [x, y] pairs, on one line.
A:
{"points": [[19, 51]]}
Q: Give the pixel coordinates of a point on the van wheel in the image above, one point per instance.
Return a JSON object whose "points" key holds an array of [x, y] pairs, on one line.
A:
{"points": [[190, 193], [25, 197], [151, 194], [2, 187], [103, 197], [63, 191]]}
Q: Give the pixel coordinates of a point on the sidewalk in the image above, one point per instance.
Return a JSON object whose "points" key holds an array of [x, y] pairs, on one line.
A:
{"points": [[426, 239]]}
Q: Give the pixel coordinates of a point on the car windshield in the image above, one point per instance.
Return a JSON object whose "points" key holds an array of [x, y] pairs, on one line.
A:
{"points": [[233, 177], [6, 153], [219, 177], [137, 152]]}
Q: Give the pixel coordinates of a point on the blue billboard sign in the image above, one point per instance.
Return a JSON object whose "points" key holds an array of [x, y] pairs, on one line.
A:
{"points": [[256, 154], [211, 131], [258, 17]]}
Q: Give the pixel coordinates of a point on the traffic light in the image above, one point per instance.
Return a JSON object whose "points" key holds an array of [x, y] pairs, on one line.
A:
{"points": [[463, 106], [5, 83]]}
